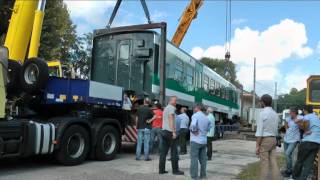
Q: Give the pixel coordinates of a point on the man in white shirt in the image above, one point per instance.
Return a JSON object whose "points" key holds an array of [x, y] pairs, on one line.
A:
{"points": [[169, 138], [267, 130], [127, 105]]}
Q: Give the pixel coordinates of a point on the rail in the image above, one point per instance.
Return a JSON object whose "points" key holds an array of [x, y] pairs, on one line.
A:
{"points": [[224, 128]]}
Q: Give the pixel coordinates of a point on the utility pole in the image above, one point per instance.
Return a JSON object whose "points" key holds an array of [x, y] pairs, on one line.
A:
{"points": [[253, 120], [275, 96]]}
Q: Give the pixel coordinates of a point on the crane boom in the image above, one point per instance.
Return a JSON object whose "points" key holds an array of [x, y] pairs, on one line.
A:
{"points": [[188, 15]]}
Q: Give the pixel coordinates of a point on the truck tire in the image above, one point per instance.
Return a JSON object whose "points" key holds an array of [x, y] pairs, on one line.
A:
{"points": [[108, 143], [14, 70], [74, 146], [34, 75]]}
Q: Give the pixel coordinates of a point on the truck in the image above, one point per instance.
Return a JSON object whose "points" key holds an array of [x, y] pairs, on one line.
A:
{"points": [[76, 119], [72, 119]]}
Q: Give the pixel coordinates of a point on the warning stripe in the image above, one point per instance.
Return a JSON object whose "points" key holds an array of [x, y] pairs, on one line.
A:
{"points": [[130, 134], [133, 131]]}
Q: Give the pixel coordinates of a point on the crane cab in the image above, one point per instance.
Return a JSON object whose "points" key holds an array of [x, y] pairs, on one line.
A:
{"points": [[313, 92]]}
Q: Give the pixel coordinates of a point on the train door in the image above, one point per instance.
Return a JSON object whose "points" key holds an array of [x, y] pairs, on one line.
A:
{"points": [[124, 56], [138, 73]]}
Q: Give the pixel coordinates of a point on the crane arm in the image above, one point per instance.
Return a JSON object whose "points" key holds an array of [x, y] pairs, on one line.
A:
{"points": [[188, 15]]}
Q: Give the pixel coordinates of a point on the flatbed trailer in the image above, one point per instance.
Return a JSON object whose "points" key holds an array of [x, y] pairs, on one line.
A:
{"points": [[71, 118]]}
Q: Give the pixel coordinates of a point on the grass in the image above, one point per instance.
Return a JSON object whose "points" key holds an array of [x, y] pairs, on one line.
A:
{"points": [[252, 171]]}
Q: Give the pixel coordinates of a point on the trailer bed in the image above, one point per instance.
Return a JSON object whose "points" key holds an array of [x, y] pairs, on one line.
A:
{"points": [[71, 91]]}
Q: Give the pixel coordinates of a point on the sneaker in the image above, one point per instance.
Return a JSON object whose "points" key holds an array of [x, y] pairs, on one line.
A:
{"points": [[148, 159], [178, 173], [138, 159]]}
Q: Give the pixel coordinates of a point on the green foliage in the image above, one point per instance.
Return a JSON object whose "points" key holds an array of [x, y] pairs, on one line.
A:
{"points": [[81, 55], [226, 69], [58, 32], [252, 171], [5, 14], [294, 98]]}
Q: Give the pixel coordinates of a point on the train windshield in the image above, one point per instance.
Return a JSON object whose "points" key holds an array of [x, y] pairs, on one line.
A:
{"points": [[123, 59]]}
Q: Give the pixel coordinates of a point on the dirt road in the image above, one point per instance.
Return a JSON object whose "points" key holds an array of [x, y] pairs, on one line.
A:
{"points": [[230, 158]]}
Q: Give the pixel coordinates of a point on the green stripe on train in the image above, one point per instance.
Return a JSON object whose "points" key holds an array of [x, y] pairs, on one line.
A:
{"points": [[198, 93]]}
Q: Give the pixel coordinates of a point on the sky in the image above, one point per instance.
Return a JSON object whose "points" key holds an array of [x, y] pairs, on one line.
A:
{"points": [[283, 36]]}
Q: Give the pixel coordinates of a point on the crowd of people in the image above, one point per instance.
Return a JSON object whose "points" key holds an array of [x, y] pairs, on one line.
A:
{"points": [[302, 131], [168, 129], [163, 129]]}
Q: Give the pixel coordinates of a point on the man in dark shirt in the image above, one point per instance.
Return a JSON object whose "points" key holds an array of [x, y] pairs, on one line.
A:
{"points": [[144, 118]]}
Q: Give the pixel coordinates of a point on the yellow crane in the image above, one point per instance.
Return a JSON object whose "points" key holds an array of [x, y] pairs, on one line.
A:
{"points": [[188, 15], [24, 28]]}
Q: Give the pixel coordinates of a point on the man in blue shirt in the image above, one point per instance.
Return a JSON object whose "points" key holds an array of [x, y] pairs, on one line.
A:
{"points": [[211, 132], [291, 138], [200, 125], [310, 144], [184, 130]]}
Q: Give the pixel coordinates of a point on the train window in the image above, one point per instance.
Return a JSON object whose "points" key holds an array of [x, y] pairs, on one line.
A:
{"points": [[189, 75], [222, 92], [211, 86], [104, 61], [205, 82], [235, 99], [314, 91], [198, 79], [217, 91], [178, 70], [124, 51], [226, 96]]}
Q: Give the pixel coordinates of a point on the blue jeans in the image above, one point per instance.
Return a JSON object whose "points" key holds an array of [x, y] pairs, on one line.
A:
{"points": [[288, 150], [198, 153], [143, 137], [155, 134], [307, 152]]}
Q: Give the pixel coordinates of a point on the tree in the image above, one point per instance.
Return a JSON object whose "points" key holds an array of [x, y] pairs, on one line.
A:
{"points": [[58, 32], [81, 55], [226, 69], [294, 99], [5, 14]]}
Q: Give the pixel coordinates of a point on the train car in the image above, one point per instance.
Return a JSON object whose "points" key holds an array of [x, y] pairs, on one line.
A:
{"points": [[130, 59]]}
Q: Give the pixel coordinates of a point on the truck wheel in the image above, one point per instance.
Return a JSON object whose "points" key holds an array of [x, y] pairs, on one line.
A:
{"points": [[74, 146], [14, 69], [34, 75], [108, 143]]}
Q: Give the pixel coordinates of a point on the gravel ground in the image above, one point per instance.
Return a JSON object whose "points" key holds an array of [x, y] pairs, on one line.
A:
{"points": [[231, 157]]}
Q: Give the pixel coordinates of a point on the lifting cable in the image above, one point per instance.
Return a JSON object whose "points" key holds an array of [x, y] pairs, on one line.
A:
{"points": [[227, 69], [116, 7], [228, 30]]}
